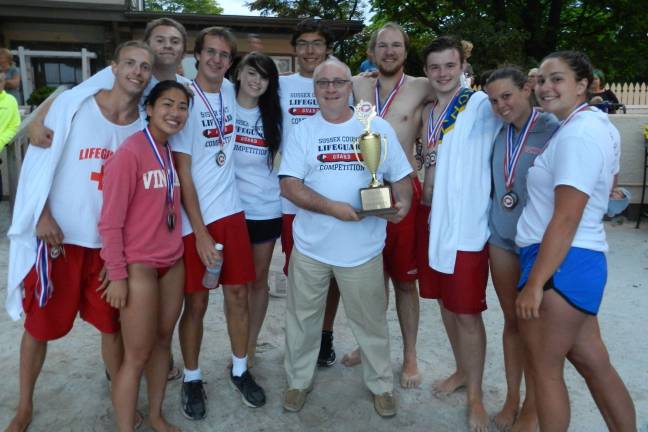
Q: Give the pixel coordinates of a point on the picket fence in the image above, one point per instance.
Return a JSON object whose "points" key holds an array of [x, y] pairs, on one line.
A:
{"points": [[630, 93]]}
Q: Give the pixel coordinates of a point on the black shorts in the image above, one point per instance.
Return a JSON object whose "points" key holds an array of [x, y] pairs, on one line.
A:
{"points": [[262, 231]]}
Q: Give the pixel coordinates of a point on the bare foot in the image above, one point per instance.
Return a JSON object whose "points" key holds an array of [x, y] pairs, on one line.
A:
{"points": [[449, 385], [506, 417], [410, 376], [20, 422], [477, 417], [159, 424], [527, 421], [352, 359]]}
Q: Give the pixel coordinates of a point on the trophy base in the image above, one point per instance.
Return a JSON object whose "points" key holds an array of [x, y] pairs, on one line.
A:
{"points": [[376, 201]]}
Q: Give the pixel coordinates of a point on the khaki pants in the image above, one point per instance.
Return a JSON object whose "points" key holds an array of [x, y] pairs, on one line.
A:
{"points": [[363, 296]]}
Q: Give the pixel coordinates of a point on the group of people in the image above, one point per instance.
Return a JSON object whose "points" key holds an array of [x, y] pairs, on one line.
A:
{"points": [[174, 178]]}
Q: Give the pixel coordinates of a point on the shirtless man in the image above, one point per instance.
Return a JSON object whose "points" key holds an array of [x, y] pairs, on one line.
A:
{"points": [[399, 99]]}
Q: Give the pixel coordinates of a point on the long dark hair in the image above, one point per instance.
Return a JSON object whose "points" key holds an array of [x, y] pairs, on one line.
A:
{"points": [[269, 105]]}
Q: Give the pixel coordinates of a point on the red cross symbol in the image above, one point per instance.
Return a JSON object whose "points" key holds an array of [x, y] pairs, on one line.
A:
{"points": [[98, 177]]}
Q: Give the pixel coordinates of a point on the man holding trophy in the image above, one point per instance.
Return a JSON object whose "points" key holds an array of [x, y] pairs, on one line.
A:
{"points": [[329, 158]]}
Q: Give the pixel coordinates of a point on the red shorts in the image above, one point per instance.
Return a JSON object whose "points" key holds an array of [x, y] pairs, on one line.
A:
{"points": [[425, 274], [238, 263], [287, 238], [399, 254], [75, 276], [464, 291]]}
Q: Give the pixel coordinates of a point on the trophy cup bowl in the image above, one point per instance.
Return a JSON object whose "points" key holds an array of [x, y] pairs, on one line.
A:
{"points": [[376, 198]]}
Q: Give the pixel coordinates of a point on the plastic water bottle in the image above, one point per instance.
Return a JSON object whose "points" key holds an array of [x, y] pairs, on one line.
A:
{"points": [[212, 274]]}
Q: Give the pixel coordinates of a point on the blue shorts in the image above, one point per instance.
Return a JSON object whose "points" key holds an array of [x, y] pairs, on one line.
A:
{"points": [[580, 279]]}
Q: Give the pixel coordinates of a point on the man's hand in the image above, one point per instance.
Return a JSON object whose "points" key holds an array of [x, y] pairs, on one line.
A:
{"points": [[47, 229], [397, 217], [39, 134], [527, 304], [205, 248], [117, 293], [344, 212]]}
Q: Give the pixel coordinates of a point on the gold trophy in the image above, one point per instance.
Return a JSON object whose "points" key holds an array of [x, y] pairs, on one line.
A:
{"points": [[376, 199]]}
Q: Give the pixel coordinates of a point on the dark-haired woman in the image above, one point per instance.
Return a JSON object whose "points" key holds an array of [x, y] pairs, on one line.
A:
{"points": [[258, 135], [521, 139], [142, 249], [562, 241]]}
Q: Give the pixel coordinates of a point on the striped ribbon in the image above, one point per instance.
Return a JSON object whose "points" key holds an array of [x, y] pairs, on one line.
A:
{"points": [[383, 109], [219, 124], [514, 147], [44, 285]]}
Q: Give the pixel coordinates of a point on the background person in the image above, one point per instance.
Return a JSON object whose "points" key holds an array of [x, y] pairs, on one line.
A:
{"points": [[562, 241], [12, 74], [256, 143], [9, 119], [140, 230], [599, 95], [521, 139]]}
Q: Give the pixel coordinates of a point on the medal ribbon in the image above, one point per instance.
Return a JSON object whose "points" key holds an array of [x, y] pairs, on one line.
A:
{"points": [[579, 108], [435, 127], [43, 267], [168, 168], [382, 109], [219, 124], [514, 147]]}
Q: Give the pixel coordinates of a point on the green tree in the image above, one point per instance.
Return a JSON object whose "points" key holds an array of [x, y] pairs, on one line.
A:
{"points": [[611, 32], [324, 9], [206, 7]]}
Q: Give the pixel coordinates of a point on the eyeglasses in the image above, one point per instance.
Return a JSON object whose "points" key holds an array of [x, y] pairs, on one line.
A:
{"points": [[215, 53], [316, 44], [337, 83]]}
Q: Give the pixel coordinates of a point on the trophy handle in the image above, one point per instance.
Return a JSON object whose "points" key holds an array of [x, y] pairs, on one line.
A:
{"points": [[357, 155], [384, 141]]}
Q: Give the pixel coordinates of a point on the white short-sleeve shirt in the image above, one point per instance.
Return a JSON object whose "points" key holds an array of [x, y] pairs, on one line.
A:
{"points": [[256, 179], [322, 155], [215, 185], [298, 102], [583, 154]]}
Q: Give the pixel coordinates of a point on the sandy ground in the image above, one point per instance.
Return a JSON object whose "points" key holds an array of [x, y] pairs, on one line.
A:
{"points": [[73, 395]]}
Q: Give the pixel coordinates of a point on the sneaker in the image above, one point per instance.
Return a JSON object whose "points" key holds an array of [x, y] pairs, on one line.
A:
{"points": [[326, 356], [294, 399], [385, 404], [251, 394], [193, 400]]}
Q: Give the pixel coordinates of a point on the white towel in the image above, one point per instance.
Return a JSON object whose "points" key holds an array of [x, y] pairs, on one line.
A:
{"points": [[462, 185], [36, 177]]}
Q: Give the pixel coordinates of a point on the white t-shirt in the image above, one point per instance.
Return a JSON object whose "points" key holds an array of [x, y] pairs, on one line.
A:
{"points": [[215, 185], [256, 181], [298, 102], [75, 198], [321, 154], [583, 154], [105, 79]]}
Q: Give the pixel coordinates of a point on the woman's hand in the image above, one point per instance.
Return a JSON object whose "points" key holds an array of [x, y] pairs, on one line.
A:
{"points": [[527, 305], [117, 293]]}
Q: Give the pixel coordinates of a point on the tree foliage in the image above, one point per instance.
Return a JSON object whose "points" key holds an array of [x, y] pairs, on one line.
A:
{"points": [[206, 7], [324, 9], [612, 32]]}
